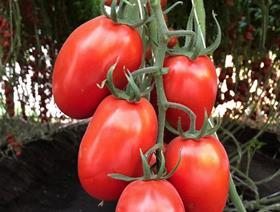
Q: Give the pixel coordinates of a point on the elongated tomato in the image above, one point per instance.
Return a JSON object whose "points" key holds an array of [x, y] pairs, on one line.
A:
{"points": [[192, 83], [112, 143], [202, 178], [150, 196], [84, 60]]}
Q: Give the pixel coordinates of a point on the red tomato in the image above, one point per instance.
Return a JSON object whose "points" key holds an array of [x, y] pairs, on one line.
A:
{"points": [[152, 196], [109, 2], [202, 178], [163, 3], [84, 60], [149, 54], [192, 83], [111, 144], [172, 42]]}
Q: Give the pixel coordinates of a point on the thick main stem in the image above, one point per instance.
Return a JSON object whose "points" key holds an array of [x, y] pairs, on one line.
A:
{"points": [[235, 197], [200, 16], [159, 30]]}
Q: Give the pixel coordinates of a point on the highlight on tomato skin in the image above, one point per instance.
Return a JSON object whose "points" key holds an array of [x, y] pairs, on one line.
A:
{"points": [[112, 144], [202, 177], [152, 196], [83, 62], [192, 83]]}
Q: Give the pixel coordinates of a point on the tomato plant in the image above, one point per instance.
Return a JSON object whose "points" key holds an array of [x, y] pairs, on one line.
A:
{"points": [[124, 133], [152, 196], [192, 83], [202, 178], [84, 60], [111, 144]]}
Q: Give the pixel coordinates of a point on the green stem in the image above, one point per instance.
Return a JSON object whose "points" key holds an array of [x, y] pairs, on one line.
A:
{"points": [[159, 31], [235, 197], [265, 16], [232, 189], [146, 70], [199, 14]]}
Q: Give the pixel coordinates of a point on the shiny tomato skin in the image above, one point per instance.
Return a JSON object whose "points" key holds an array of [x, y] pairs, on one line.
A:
{"points": [[112, 143], [84, 60], [192, 83], [202, 178], [150, 196]]}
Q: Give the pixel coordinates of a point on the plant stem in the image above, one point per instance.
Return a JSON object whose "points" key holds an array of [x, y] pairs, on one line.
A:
{"points": [[235, 197], [162, 34], [158, 31], [199, 13]]}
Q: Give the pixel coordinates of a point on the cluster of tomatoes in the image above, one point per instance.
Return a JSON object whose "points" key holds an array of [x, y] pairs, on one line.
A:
{"points": [[260, 73], [5, 37], [9, 95], [29, 13], [249, 33], [14, 144], [239, 91], [120, 130]]}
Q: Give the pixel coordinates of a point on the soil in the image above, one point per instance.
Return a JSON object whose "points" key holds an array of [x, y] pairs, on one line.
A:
{"points": [[44, 177]]}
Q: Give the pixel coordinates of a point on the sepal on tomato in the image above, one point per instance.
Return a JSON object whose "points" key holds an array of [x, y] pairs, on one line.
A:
{"points": [[205, 130], [148, 170], [117, 14]]}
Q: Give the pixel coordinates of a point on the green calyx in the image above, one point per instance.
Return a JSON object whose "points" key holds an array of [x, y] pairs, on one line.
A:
{"points": [[192, 133], [194, 45], [131, 94], [125, 13], [137, 86], [149, 170]]}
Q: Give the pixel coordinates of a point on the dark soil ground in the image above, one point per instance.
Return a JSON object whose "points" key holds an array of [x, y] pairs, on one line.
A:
{"points": [[45, 178]]}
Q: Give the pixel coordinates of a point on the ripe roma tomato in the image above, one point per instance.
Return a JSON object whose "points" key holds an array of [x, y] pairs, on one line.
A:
{"points": [[202, 178], [152, 196], [192, 83], [84, 60], [112, 143]]}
